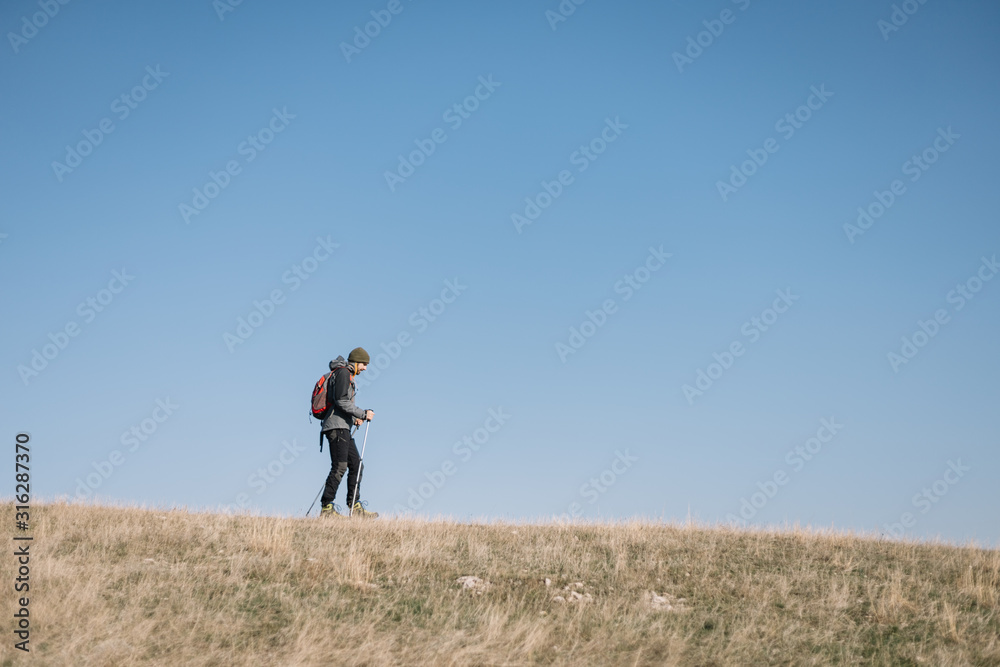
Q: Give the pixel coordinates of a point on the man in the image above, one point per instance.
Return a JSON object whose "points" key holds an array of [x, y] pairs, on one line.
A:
{"points": [[344, 455]]}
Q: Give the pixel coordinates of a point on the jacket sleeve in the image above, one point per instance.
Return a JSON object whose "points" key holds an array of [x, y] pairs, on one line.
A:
{"points": [[341, 394]]}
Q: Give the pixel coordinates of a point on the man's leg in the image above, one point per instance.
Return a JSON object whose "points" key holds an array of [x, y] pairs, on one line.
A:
{"points": [[355, 468], [338, 462]]}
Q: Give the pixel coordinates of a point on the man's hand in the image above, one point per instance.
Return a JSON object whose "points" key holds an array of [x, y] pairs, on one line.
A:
{"points": [[357, 422], [369, 415]]}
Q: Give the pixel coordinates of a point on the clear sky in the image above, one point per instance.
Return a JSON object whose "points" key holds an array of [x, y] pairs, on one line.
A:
{"points": [[611, 254]]}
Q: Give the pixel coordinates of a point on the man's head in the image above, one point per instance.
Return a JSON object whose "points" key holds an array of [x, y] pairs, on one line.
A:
{"points": [[359, 358]]}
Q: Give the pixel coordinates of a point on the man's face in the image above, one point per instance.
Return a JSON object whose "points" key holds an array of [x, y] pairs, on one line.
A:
{"points": [[361, 366]]}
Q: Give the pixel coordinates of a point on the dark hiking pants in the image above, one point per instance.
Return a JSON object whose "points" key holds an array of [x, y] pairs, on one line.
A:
{"points": [[344, 457]]}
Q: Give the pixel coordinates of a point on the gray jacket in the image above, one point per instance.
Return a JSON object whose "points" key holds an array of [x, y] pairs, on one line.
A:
{"points": [[341, 395]]}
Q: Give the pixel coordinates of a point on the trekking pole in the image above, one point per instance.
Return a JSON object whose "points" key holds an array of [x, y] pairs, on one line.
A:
{"points": [[316, 498], [361, 464]]}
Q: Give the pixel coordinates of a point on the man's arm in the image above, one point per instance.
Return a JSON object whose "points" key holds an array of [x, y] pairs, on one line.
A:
{"points": [[341, 386]]}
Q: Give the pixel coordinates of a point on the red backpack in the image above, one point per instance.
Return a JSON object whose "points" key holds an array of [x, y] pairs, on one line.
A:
{"points": [[320, 405]]}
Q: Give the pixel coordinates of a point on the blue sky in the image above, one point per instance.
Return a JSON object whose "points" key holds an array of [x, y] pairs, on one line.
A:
{"points": [[278, 125]]}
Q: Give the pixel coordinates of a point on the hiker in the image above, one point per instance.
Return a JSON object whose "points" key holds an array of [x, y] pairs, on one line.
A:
{"points": [[344, 413]]}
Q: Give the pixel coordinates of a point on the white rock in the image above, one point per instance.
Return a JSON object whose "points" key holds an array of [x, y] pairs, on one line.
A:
{"points": [[477, 585], [663, 602]]}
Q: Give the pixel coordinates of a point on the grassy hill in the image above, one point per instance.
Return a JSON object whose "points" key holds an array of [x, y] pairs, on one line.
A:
{"points": [[113, 586]]}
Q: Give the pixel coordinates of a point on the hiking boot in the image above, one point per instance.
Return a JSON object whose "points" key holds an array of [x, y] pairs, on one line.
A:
{"points": [[359, 510], [328, 510]]}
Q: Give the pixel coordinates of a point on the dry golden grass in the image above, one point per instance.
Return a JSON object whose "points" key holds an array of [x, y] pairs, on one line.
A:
{"points": [[124, 586]]}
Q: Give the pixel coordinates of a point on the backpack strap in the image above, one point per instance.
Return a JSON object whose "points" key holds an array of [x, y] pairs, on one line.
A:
{"points": [[329, 381]]}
